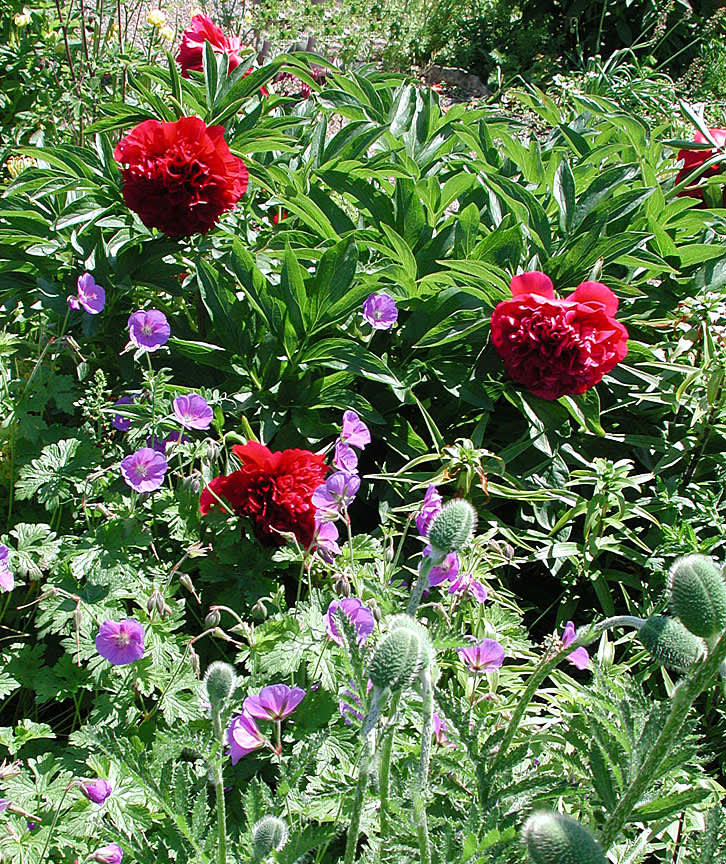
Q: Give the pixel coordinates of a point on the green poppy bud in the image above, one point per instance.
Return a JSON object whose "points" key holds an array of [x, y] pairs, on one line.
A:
{"points": [[268, 835], [698, 594], [668, 641], [552, 838], [219, 681], [401, 655], [452, 529]]}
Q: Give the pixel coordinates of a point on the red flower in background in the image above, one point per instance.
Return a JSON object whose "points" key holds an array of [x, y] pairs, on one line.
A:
{"points": [[180, 177], [273, 489], [203, 30], [693, 159], [558, 347]]}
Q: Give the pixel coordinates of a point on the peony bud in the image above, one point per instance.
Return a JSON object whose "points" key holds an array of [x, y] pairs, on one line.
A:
{"points": [[219, 681], [669, 642], [401, 655], [452, 529], [698, 595], [552, 838], [268, 835]]}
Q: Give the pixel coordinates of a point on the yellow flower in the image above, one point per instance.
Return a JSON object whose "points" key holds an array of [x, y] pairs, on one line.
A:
{"points": [[22, 19], [156, 18], [167, 33]]}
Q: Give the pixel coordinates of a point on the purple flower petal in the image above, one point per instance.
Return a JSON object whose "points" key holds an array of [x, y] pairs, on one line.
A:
{"points": [[359, 615], [431, 507], [123, 424], [90, 295], [149, 329], [487, 654], [274, 702], [354, 432], [325, 540], [447, 570], [111, 854], [7, 580], [144, 470], [96, 790], [243, 737], [345, 458], [579, 657], [336, 494], [380, 311], [193, 411], [120, 642]]}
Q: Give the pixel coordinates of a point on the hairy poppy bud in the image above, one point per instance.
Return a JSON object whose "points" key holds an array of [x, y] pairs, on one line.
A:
{"points": [[401, 655], [452, 529], [269, 834], [219, 681], [668, 641], [552, 838], [698, 594]]}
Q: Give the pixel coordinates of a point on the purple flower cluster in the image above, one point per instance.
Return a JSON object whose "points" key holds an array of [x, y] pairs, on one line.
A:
{"points": [[7, 580], [273, 703], [121, 642], [88, 296], [333, 498]]}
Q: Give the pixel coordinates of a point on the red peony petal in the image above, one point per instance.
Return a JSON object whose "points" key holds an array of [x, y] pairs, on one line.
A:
{"points": [[595, 292], [534, 282]]}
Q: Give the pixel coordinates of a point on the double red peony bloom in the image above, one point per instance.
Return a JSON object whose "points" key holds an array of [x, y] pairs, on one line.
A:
{"points": [[203, 30], [273, 489], [693, 159], [179, 177], [558, 347]]}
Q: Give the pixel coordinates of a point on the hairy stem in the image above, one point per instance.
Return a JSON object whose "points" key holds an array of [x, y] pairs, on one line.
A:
{"points": [[420, 783], [421, 583], [384, 769]]}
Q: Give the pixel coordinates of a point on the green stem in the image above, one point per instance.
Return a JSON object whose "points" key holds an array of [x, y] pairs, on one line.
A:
{"points": [[55, 819], [420, 783], [421, 583], [682, 699], [384, 770], [221, 815]]}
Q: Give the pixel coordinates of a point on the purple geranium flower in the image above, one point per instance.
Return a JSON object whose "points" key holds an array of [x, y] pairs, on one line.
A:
{"points": [[579, 657], [96, 790], [243, 737], [325, 540], [111, 854], [430, 508], [193, 411], [7, 580], [465, 583], [123, 424], [447, 570], [335, 495], [345, 458], [149, 329], [440, 730], [354, 431], [487, 654], [89, 295], [144, 470], [359, 615], [121, 642], [4, 804], [379, 310], [274, 702]]}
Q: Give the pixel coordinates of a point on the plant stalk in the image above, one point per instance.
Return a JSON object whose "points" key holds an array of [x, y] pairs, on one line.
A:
{"points": [[419, 789]]}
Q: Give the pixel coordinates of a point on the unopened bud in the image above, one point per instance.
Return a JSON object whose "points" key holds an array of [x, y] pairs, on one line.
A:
{"points": [[268, 835], [195, 660], [259, 610], [401, 655], [698, 595], [213, 618], [219, 681], [111, 854], [375, 610], [192, 483], [552, 838], [668, 641], [341, 586], [77, 617], [454, 526], [186, 581]]}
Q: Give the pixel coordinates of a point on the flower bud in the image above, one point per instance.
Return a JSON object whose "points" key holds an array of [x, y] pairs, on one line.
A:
{"points": [[111, 854], [552, 838], [375, 610], [268, 835], [341, 586], [96, 790], [668, 641], [195, 660], [186, 581], [212, 619], [259, 610], [454, 526], [698, 594], [219, 681], [401, 655]]}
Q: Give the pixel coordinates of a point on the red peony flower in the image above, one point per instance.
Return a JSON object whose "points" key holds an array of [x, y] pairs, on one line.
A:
{"points": [[203, 30], [273, 489], [181, 176], [693, 159], [558, 347]]}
